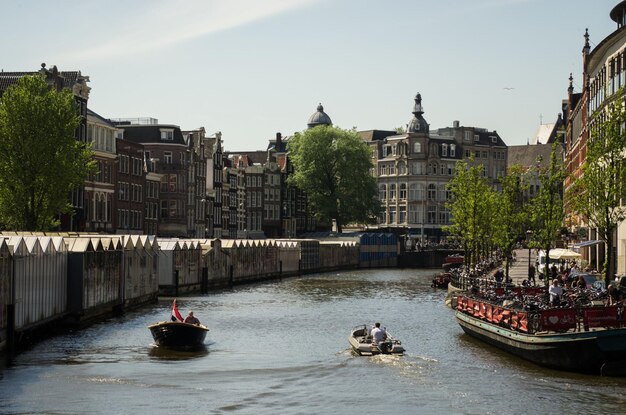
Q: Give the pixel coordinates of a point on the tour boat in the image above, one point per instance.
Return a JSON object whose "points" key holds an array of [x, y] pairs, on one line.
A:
{"points": [[361, 343], [179, 335], [590, 339]]}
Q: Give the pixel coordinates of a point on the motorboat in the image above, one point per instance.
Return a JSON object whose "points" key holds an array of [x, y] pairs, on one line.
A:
{"points": [[179, 335], [361, 342]]}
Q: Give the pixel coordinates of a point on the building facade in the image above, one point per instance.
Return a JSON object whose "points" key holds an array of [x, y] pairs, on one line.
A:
{"points": [[603, 74], [413, 170]]}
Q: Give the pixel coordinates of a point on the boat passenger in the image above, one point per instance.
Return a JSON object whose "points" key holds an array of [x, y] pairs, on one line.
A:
{"points": [[378, 335], [556, 292], [191, 319]]}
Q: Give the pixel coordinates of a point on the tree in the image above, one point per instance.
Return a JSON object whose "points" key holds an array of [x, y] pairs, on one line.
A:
{"points": [[511, 219], [333, 167], [547, 206], [471, 210], [596, 194], [40, 161]]}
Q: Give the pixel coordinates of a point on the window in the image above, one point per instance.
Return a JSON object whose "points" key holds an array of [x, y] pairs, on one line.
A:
{"points": [[444, 150], [476, 137], [485, 155], [401, 168], [167, 156], [467, 153], [417, 147], [167, 135], [452, 150], [392, 191], [382, 192], [494, 139], [432, 192], [402, 216], [467, 136], [402, 191]]}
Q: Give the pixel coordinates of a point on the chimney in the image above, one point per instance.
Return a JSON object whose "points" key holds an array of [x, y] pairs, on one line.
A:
{"points": [[455, 124], [278, 145]]}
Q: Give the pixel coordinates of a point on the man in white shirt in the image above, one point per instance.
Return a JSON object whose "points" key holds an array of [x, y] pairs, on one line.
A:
{"points": [[556, 292], [378, 334]]}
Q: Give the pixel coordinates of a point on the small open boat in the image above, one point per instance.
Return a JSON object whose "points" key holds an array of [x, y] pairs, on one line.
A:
{"points": [[178, 335], [361, 343]]}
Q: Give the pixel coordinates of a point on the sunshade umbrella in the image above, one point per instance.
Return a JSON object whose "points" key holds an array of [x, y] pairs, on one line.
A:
{"points": [[562, 253]]}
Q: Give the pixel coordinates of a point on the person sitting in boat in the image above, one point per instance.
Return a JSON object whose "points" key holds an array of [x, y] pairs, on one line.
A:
{"points": [[556, 292], [378, 335], [191, 319]]}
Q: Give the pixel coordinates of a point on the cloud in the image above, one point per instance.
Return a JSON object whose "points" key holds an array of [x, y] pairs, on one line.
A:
{"points": [[165, 23]]}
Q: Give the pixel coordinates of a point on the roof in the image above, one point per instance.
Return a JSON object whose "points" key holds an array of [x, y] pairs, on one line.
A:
{"points": [[151, 134], [68, 78], [527, 155], [319, 118], [543, 133], [376, 135]]}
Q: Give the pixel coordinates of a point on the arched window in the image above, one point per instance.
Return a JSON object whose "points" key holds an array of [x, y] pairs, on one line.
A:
{"points": [[401, 168], [433, 168]]}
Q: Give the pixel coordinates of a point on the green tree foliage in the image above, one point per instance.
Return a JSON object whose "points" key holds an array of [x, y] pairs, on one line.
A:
{"points": [[511, 217], [596, 194], [333, 167], [40, 161], [547, 206], [472, 210]]}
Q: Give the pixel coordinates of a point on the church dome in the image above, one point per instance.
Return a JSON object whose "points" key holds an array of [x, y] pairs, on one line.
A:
{"points": [[319, 118], [418, 124]]}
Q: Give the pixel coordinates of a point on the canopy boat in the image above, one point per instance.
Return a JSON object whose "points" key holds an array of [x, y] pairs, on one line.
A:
{"points": [[361, 343], [587, 339], [178, 335]]}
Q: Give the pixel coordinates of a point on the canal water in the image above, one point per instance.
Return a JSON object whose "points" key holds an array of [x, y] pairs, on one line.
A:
{"points": [[282, 348]]}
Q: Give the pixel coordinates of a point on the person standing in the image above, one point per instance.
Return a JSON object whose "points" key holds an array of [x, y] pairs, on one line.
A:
{"points": [[556, 292], [531, 274]]}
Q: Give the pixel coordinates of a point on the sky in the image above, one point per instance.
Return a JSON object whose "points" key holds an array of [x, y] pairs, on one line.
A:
{"points": [[252, 68]]}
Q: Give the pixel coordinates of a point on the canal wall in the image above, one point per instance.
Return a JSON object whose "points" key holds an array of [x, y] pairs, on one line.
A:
{"points": [[50, 282]]}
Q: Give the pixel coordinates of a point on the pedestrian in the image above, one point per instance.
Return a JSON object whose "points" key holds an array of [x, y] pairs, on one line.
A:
{"points": [[531, 274]]}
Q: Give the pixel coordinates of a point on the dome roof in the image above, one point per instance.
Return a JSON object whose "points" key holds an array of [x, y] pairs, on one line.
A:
{"points": [[319, 118], [418, 124]]}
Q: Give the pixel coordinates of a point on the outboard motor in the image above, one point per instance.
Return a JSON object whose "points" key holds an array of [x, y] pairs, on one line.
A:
{"points": [[384, 347]]}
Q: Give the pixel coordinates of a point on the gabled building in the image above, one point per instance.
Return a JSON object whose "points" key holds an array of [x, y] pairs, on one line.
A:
{"points": [[100, 187]]}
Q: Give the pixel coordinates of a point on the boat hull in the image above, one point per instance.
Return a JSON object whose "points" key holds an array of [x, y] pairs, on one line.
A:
{"points": [[363, 346], [597, 352], [177, 335]]}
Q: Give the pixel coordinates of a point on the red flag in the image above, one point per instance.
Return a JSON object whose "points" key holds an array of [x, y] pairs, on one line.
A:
{"points": [[175, 314]]}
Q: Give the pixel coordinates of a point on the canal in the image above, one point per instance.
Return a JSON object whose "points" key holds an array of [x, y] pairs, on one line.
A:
{"points": [[281, 348]]}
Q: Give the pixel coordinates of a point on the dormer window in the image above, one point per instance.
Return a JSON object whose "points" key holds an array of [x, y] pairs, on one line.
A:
{"points": [[444, 150], [476, 137], [167, 134], [452, 150], [494, 139]]}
